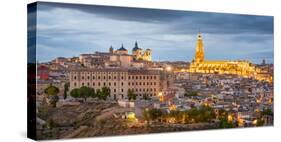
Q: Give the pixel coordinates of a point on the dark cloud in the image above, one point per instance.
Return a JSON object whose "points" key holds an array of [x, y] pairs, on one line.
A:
{"points": [[71, 29], [190, 21]]}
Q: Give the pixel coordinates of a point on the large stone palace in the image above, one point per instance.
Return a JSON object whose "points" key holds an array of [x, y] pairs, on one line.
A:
{"points": [[141, 82], [239, 67]]}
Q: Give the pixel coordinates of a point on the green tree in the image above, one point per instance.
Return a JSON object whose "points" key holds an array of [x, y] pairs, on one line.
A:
{"points": [[75, 93], [260, 122], [224, 123], [131, 95], [66, 88], [155, 113], [85, 92], [98, 93], [201, 114], [103, 93], [267, 112], [51, 92]]}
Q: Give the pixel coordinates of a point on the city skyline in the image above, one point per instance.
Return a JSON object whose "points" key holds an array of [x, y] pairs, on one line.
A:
{"points": [[69, 30]]}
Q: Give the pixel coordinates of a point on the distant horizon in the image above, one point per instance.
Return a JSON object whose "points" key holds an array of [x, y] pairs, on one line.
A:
{"points": [[67, 30]]}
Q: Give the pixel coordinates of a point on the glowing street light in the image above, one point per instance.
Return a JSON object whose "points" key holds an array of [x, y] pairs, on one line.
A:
{"points": [[255, 122], [161, 97], [169, 68], [229, 118]]}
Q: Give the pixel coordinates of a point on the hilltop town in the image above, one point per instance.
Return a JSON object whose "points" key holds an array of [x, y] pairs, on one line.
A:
{"points": [[117, 93]]}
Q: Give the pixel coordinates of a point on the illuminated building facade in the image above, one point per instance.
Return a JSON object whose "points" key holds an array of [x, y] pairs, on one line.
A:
{"points": [[241, 68], [138, 54]]}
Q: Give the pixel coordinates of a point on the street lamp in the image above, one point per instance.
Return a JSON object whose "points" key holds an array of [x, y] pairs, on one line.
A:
{"points": [[161, 97], [169, 68]]}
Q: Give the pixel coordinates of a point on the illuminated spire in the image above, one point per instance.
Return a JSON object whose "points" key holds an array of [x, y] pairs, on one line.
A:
{"points": [[199, 55]]}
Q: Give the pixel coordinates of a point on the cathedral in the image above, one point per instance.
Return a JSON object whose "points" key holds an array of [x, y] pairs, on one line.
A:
{"points": [[241, 68]]}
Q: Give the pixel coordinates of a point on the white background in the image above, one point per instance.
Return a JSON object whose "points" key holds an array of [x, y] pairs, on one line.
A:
{"points": [[13, 54]]}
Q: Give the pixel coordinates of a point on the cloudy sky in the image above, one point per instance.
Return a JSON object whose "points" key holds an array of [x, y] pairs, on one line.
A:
{"points": [[68, 30]]}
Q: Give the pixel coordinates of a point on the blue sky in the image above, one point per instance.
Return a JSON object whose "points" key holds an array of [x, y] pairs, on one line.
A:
{"points": [[68, 30]]}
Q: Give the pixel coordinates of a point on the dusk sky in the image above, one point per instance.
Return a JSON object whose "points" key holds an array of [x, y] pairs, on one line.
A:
{"points": [[65, 30]]}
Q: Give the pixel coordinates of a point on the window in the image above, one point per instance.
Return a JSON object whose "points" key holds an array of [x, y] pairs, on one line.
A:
{"points": [[114, 90], [109, 83], [114, 83], [133, 83], [74, 77], [136, 83], [104, 84], [82, 83], [129, 77], [104, 77], [93, 77], [109, 77], [129, 83], [98, 83], [154, 89], [88, 84], [154, 77], [136, 77], [98, 77], [122, 90], [114, 77], [82, 77], [122, 77], [140, 77], [75, 84], [122, 83], [154, 83], [88, 77], [93, 83]]}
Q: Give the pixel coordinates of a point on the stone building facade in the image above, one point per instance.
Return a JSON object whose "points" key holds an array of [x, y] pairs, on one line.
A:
{"points": [[141, 82]]}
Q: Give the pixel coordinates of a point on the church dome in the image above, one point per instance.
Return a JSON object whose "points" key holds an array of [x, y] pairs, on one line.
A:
{"points": [[122, 48]]}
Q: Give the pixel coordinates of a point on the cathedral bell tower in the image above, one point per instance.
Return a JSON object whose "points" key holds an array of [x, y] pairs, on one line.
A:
{"points": [[199, 54]]}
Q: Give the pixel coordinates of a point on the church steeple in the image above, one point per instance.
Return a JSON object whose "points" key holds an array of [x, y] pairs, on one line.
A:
{"points": [[199, 55], [136, 45]]}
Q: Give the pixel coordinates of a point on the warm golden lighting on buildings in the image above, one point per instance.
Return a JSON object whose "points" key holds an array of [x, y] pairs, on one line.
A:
{"points": [[131, 116], [161, 97], [229, 118], [255, 122], [172, 107], [240, 121], [241, 68], [169, 68]]}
